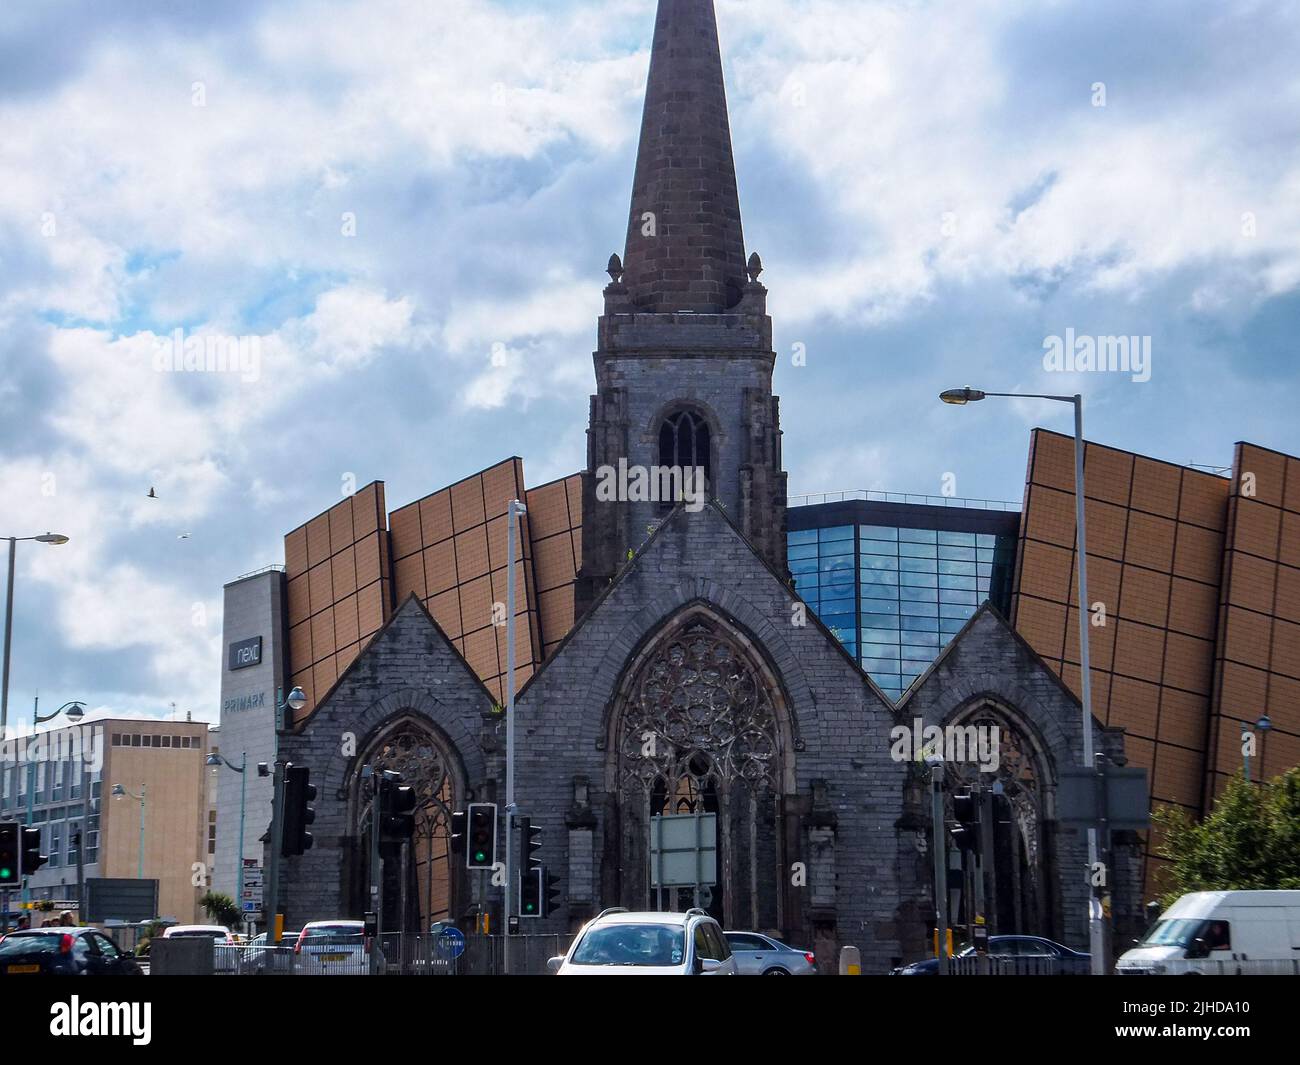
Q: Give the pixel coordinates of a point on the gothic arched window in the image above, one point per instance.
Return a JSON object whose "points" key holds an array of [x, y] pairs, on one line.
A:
{"points": [[684, 443], [697, 732], [413, 751]]}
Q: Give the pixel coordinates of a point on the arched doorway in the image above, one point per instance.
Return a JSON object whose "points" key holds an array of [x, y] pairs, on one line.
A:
{"points": [[1019, 790], [699, 727], [419, 885]]}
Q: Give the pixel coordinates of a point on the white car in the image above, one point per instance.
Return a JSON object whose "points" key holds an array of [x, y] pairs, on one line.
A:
{"points": [[622, 943], [225, 955], [333, 948], [1227, 932]]}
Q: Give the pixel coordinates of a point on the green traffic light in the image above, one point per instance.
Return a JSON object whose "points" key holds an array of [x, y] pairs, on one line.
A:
{"points": [[479, 856], [5, 874]]}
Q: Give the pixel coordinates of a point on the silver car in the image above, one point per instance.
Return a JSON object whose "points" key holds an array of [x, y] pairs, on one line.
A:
{"points": [[759, 955]]}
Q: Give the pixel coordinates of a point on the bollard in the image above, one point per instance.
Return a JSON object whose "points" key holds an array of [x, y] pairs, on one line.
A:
{"points": [[850, 961]]}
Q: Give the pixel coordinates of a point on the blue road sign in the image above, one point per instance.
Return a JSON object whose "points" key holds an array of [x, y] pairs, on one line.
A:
{"points": [[451, 941]]}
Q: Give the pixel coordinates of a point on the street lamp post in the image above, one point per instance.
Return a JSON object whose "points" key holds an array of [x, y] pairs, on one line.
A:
{"points": [[75, 711], [120, 792], [515, 510], [1263, 724], [215, 760], [283, 722], [960, 397], [53, 539]]}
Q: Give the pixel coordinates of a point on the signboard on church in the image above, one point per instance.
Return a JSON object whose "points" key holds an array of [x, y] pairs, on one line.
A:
{"points": [[683, 850]]}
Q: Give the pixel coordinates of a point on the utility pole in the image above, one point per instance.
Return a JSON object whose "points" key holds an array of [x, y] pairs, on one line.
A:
{"points": [[989, 905], [277, 844], [940, 864], [515, 510]]}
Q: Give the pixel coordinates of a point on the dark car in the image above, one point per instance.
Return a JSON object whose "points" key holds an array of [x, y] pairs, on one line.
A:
{"points": [[64, 952], [1063, 959]]}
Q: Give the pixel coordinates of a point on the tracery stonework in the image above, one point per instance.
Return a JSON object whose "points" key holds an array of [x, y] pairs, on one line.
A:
{"points": [[697, 696]]}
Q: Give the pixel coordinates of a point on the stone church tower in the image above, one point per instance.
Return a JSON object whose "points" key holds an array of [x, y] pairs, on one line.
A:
{"points": [[695, 680], [684, 363]]}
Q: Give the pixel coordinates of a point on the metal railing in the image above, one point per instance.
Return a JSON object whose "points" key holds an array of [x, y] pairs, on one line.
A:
{"points": [[874, 496], [390, 954], [1004, 965]]}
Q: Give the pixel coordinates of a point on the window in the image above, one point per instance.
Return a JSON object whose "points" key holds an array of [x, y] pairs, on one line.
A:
{"points": [[717, 941], [684, 443], [212, 831]]}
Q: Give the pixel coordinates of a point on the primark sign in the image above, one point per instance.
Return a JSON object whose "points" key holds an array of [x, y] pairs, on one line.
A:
{"points": [[240, 703]]}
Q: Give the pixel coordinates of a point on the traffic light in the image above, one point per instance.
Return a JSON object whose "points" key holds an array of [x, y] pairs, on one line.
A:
{"points": [[530, 892], [298, 813], [32, 858], [550, 891], [458, 827], [10, 874], [482, 852], [396, 810], [529, 841], [966, 832]]}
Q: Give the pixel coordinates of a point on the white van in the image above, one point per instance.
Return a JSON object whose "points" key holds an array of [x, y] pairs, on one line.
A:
{"points": [[1224, 932]]}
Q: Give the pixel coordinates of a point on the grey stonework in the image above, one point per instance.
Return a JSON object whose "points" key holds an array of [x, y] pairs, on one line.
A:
{"points": [[649, 366], [849, 810], [409, 670], [988, 663]]}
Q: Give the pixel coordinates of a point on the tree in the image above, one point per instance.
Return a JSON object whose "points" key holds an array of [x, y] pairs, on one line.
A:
{"points": [[1251, 839], [221, 909]]}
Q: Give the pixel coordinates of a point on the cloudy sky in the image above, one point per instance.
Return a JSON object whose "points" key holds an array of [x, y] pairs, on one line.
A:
{"points": [[410, 203]]}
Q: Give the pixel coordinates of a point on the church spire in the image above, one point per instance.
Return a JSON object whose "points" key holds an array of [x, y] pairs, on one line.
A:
{"points": [[689, 255]]}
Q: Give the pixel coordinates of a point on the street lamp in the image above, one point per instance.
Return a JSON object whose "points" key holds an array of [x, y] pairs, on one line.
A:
{"points": [[1263, 724], [216, 760], [959, 397], [75, 711], [296, 700], [53, 540], [514, 510], [120, 793]]}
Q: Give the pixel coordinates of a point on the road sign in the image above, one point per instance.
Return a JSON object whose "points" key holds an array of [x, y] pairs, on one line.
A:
{"points": [[683, 850], [451, 942], [1126, 804]]}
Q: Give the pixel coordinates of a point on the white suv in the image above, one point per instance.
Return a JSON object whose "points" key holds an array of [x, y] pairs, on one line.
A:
{"points": [[652, 944]]}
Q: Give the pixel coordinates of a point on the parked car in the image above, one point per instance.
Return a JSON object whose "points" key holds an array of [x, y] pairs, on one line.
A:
{"points": [[760, 955], [333, 948], [225, 956], [64, 952], [618, 942], [1070, 962], [1259, 931], [217, 933]]}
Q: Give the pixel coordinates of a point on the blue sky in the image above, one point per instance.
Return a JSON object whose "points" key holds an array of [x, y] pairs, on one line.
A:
{"points": [[933, 188]]}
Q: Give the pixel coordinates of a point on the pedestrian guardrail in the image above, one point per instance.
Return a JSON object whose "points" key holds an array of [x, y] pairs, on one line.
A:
{"points": [[392, 954], [972, 965]]}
